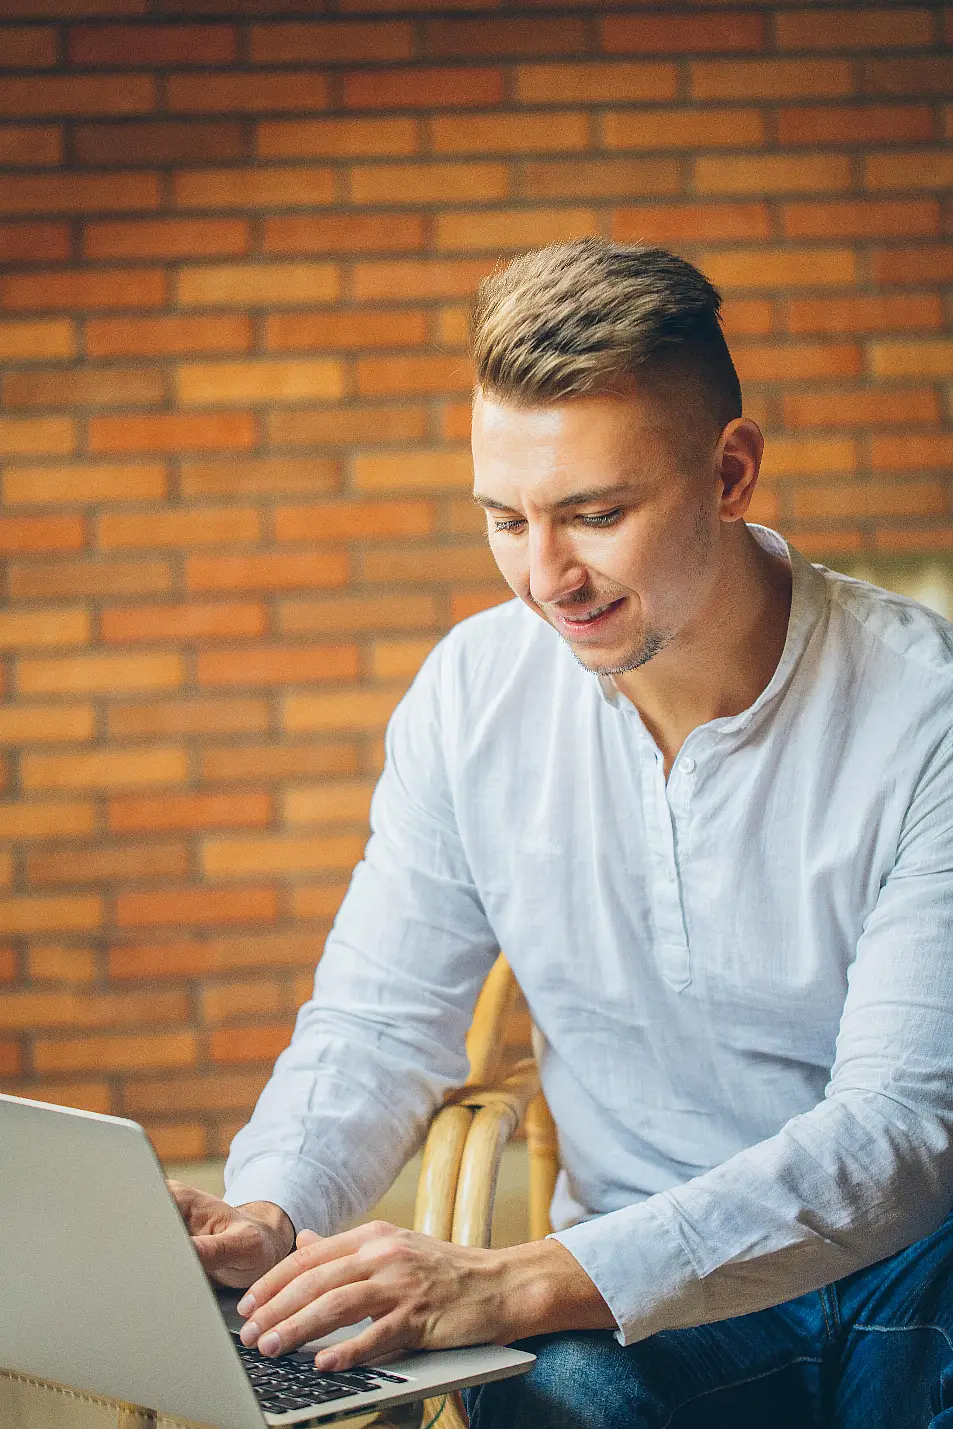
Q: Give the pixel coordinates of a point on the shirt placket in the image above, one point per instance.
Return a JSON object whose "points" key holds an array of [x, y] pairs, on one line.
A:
{"points": [[661, 803]]}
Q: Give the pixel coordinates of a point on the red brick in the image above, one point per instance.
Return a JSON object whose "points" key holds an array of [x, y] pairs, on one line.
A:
{"points": [[126, 862], [906, 452], [861, 499], [44, 819], [191, 621], [30, 580], [443, 564], [146, 45], [70, 9], [28, 46], [205, 1092], [23, 629], [465, 603], [110, 288], [927, 74], [27, 339], [320, 901], [595, 82], [503, 37], [37, 436], [168, 335], [277, 665], [244, 93], [41, 533], [46, 724], [768, 362], [423, 88], [409, 280], [337, 138], [432, 470], [781, 267], [235, 763], [69, 95], [682, 128], [173, 432], [258, 381], [497, 230], [427, 183], [9, 963], [231, 1001], [729, 30], [772, 174], [269, 571], [800, 456], [691, 222], [160, 141], [339, 800], [861, 218], [243, 188], [33, 147], [864, 28], [191, 526], [258, 285], [909, 169], [601, 178], [239, 855], [185, 1141], [563, 131], [391, 660], [99, 673], [331, 42], [333, 711], [63, 963], [202, 715], [876, 407], [865, 313], [11, 1061], [306, 475], [51, 913], [249, 1044], [771, 79], [77, 193], [357, 613], [345, 427], [83, 483], [354, 520], [212, 810], [34, 242], [929, 263], [132, 1051], [855, 123], [86, 386], [166, 238], [85, 1095], [918, 538], [343, 233], [185, 904], [349, 328], [409, 374]]}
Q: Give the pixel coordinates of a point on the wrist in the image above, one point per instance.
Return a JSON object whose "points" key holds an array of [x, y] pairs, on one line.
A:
{"points": [[547, 1291], [276, 1220]]}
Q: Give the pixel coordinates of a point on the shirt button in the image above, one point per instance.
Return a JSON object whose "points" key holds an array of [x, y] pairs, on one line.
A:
{"points": [[686, 765]]}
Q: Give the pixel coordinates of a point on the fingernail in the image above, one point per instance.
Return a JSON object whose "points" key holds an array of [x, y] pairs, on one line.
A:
{"points": [[269, 1344], [246, 1304], [249, 1333]]}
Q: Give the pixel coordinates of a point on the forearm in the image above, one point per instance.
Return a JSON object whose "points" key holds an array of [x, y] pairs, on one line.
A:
{"points": [[542, 1290], [275, 1218]]}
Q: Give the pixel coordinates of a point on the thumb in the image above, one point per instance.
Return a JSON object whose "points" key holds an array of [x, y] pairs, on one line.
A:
{"points": [[305, 1238]]}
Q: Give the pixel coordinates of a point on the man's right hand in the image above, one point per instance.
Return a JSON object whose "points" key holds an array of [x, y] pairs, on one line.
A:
{"points": [[236, 1244]]}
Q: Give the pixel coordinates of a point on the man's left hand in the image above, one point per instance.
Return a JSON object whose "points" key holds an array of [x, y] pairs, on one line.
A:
{"points": [[421, 1293]]}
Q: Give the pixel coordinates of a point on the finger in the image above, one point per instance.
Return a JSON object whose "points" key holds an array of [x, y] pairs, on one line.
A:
{"points": [[385, 1340], [304, 1290], [344, 1305], [234, 1242], [304, 1238], [321, 1251]]}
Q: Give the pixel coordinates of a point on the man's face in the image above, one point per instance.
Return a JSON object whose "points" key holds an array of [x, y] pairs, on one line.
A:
{"points": [[598, 523]]}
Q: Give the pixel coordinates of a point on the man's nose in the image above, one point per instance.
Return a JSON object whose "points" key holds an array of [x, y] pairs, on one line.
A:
{"points": [[555, 573]]}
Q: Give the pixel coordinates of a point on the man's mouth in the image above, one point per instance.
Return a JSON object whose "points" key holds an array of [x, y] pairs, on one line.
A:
{"points": [[577, 624]]}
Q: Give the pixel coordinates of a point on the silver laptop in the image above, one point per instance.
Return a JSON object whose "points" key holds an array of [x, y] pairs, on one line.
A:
{"points": [[101, 1290]]}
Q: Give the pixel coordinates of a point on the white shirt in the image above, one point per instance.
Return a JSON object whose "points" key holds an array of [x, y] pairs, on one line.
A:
{"points": [[743, 977]]}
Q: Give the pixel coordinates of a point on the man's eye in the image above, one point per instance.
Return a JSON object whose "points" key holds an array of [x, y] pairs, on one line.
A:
{"points": [[507, 525], [602, 518]]}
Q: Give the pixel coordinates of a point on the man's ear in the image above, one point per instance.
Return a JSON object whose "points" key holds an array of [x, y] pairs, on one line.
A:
{"points": [[737, 462]]}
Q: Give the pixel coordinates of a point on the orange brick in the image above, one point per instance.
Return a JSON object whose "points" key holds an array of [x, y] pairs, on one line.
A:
{"points": [[859, 499], [86, 483], [348, 426], [860, 218], [781, 267], [36, 436], [770, 362], [346, 614], [442, 564], [927, 74], [258, 285], [903, 452], [357, 708], [227, 1002], [77, 193], [427, 183], [855, 123], [131, 1051], [42, 337], [168, 335], [410, 280], [277, 665], [9, 964], [595, 82], [166, 238], [127, 862], [453, 325], [98, 674], [59, 962], [190, 958], [86, 386], [146, 45], [40, 533], [345, 800], [46, 724], [920, 358], [87, 1096], [422, 88], [193, 526], [560, 131], [68, 9], [398, 659], [191, 620], [194, 1093], [166, 141], [682, 128], [292, 187], [503, 37], [909, 169], [112, 288], [391, 376], [34, 242], [234, 764], [243, 93], [353, 520], [31, 580], [331, 42], [311, 475], [927, 263], [28, 46], [917, 538], [774, 173], [249, 1044], [771, 79], [285, 571], [77, 94], [24, 629], [185, 904], [877, 407], [337, 138], [173, 432], [105, 769], [175, 1141], [321, 901], [213, 810], [865, 313], [424, 470], [496, 229], [601, 178], [239, 856], [42, 820], [380, 327], [6, 867], [51, 913], [456, 421], [11, 1060], [795, 456], [192, 715], [33, 147], [465, 603], [466, 518], [691, 222], [343, 233], [255, 381], [645, 33], [863, 28]]}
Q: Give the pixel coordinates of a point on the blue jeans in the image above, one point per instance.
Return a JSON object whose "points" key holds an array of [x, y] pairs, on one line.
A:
{"points": [[872, 1351]]}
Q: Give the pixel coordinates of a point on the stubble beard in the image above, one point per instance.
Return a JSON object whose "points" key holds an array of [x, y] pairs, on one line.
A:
{"points": [[649, 647]]}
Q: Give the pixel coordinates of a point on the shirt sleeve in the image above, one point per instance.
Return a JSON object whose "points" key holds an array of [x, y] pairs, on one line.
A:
{"points": [[382, 1039], [863, 1174]]}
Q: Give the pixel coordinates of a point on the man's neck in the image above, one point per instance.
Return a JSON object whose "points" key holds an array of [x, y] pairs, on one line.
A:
{"points": [[726, 660]]}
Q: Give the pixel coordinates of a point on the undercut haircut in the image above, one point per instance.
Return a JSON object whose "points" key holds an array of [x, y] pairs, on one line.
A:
{"points": [[591, 318]]}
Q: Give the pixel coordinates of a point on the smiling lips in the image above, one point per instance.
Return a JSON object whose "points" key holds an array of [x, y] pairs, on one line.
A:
{"points": [[586, 622]]}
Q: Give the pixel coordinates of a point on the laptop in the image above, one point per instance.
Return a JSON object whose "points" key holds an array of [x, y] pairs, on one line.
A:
{"points": [[102, 1291]]}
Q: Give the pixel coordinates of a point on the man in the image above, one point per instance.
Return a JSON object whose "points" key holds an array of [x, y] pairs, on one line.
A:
{"points": [[702, 793]]}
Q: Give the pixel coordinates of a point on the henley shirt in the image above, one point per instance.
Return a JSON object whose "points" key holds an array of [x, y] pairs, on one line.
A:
{"points": [[742, 976]]}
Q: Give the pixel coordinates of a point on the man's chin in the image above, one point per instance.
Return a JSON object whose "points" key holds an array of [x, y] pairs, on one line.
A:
{"points": [[602, 662]]}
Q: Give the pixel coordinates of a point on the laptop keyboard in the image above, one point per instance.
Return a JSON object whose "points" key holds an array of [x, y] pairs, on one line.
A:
{"points": [[282, 1385]]}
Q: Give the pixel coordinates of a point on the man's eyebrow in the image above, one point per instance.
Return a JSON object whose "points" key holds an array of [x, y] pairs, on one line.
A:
{"points": [[576, 498]]}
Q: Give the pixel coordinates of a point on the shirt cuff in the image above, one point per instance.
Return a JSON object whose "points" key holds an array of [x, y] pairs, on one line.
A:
{"points": [[640, 1269], [287, 1183]]}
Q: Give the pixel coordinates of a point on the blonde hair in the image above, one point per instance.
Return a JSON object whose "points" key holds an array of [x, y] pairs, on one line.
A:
{"points": [[587, 317]]}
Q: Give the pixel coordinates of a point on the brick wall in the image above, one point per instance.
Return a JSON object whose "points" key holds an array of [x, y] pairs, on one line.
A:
{"points": [[237, 254]]}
